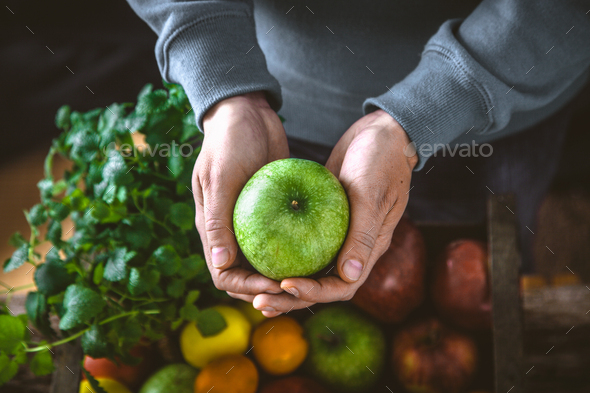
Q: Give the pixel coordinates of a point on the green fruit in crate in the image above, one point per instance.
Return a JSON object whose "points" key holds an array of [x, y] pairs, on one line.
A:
{"points": [[179, 378], [291, 218], [346, 350]]}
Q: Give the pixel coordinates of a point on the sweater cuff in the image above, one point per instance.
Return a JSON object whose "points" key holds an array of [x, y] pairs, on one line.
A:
{"points": [[435, 103], [215, 58]]}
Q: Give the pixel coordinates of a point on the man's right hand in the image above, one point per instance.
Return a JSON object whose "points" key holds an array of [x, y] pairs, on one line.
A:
{"points": [[242, 134]]}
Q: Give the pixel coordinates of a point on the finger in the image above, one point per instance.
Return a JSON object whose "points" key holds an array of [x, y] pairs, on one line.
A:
{"points": [[218, 205], [239, 280], [246, 298], [272, 305], [366, 220], [323, 290]]}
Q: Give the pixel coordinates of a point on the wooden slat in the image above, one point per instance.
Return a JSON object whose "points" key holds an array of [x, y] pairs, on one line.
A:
{"points": [[68, 368], [506, 310]]}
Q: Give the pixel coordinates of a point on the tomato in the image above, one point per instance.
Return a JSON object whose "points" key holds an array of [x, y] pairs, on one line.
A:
{"points": [[130, 376]]}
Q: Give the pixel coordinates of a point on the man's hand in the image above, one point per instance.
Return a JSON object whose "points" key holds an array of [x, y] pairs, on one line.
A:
{"points": [[370, 163], [242, 134]]}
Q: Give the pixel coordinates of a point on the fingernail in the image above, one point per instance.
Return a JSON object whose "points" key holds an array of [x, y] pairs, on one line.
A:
{"points": [[352, 269], [219, 256], [293, 291], [268, 309]]}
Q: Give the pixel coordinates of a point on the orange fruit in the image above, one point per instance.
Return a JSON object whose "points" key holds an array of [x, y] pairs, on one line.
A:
{"points": [[228, 374], [279, 345]]}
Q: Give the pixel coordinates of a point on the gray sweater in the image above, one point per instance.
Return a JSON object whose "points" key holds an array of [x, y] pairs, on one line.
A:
{"points": [[446, 70]]}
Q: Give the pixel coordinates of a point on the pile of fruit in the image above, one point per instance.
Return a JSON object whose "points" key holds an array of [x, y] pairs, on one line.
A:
{"points": [[413, 324]]}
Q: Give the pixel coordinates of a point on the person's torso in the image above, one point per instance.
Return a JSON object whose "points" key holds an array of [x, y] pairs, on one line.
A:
{"points": [[329, 56]]}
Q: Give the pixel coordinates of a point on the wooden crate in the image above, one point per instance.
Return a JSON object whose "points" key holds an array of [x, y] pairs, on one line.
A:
{"points": [[540, 340]]}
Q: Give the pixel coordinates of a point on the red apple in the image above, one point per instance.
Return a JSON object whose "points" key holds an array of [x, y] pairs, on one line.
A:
{"points": [[128, 375], [429, 357], [460, 285], [395, 285], [294, 384]]}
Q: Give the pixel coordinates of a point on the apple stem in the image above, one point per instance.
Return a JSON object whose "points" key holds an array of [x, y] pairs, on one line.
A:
{"points": [[295, 205]]}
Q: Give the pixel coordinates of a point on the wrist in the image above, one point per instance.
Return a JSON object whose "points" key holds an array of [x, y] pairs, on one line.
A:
{"points": [[402, 140], [256, 99]]}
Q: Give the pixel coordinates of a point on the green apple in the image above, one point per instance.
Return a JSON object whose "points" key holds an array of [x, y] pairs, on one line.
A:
{"points": [[291, 218], [179, 378], [346, 350]]}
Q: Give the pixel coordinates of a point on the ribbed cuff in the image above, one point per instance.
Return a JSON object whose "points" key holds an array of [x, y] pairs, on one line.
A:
{"points": [[218, 57], [435, 103]]}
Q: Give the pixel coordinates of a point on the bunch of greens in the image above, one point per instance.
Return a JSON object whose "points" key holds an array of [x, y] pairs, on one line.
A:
{"points": [[134, 265]]}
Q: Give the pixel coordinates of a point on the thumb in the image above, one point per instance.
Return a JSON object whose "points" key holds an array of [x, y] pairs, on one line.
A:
{"points": [[365, 224], [218, 213]]}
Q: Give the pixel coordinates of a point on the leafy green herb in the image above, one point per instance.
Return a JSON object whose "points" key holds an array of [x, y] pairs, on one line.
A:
{"points": [[81, 305], [210, 322], [12, 332], [42, 363], [132, 265]]}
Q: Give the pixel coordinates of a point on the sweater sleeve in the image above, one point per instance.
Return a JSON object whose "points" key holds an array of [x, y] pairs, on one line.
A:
{"points": [[210, 48], [504, 64]]}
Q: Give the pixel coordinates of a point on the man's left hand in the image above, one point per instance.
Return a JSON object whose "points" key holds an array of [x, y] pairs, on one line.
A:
{"points": [[370, 163]]}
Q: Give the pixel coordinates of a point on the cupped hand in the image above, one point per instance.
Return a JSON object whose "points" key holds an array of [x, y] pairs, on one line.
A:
{"points": [[242, 134], [370, 163]]}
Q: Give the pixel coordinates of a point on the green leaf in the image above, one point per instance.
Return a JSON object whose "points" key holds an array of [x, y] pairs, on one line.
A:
{"points": [[145, 90], [137, 232], [210, 322], [17, 240], [58, 211], [154, 102], [192, 297], [131, 332], [167, 260], [42, 363], [189, 312], [45, 186], [176, 161], [19, 257], [96, 388], [53, 232], [81, 305], [52, 278], [85, 145], [116, 267], [76, 200], [192, 265], [62, 118], [36, 306], [100, 211], [20, 357], [8, 369], [98, 274], [178, 96], [95, 343], [115, 170], [12, 332], [142, 280], [176, 288], [134, 122], [37, 215], [182, 215]]}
